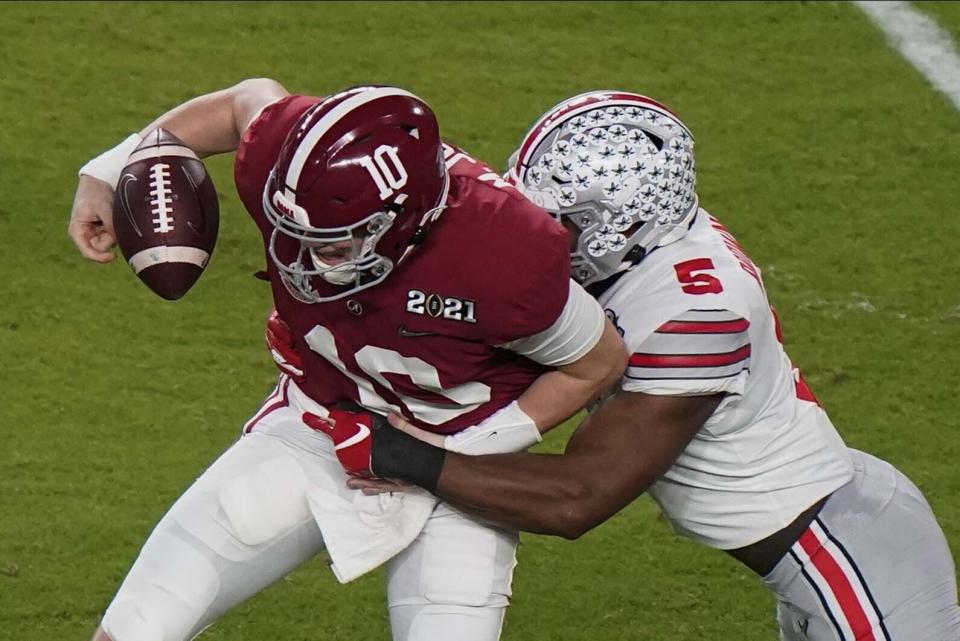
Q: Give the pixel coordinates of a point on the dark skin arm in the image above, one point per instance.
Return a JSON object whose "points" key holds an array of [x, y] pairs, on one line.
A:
{"points": [[613, 457]]}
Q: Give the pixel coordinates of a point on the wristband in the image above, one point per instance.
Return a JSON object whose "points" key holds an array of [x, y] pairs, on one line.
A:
{"points": [[397, 455], [109, 165], [508, 430]]}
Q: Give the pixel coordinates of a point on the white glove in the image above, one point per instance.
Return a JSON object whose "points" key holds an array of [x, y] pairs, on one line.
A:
{"points": [[508, 430]]}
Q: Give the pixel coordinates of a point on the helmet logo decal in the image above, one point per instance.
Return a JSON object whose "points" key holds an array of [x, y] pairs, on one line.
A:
{"points": [[620, 167], [288, 208], [388, 176]]}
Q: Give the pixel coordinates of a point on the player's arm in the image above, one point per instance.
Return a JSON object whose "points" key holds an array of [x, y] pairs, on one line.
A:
{"points": [[558, 394], [208, 124], [613, 457], [586, 357], [213, 123], [675, 379]]}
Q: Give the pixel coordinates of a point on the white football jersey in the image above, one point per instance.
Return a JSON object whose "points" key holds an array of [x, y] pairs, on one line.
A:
{"points": [[695, 317]]}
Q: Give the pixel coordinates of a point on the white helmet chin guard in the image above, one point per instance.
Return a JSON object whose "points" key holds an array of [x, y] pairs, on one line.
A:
{"points": [[619, 166]]}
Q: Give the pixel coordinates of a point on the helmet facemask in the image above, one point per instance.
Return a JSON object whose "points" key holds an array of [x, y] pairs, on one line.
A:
{"points": [[357, 182], [346, 256]]}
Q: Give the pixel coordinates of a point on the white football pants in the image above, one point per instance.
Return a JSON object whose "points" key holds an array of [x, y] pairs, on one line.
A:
{"points": [[245, 523], [873, 566]]}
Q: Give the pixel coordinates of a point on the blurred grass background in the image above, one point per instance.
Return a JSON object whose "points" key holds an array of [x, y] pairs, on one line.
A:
{"points": [[828, 156]]}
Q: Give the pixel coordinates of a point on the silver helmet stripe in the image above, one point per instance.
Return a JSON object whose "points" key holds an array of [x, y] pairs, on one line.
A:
{"points": [[322, 126]]}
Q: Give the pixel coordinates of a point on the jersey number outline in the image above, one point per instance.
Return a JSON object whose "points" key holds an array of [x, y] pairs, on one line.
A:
{"points": [[376, 361]]}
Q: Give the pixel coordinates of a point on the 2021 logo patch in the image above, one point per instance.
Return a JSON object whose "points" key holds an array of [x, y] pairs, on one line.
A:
{"points": [[436, 306]]}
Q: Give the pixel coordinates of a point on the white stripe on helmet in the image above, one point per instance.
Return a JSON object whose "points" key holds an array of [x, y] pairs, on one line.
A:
{"points": [[323, 125]]}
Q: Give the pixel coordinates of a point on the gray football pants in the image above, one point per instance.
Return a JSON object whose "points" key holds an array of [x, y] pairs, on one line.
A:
{"points": [[873, 566]]}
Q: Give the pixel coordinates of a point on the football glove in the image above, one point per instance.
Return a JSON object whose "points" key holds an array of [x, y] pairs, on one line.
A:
{"points": [[351, 429], [280, 344], [368, 446]]}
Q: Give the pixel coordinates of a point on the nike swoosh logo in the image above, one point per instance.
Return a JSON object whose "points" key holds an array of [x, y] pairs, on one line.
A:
{"points": [[403, 331], [125, 181], [362, 432], [200, 229]]}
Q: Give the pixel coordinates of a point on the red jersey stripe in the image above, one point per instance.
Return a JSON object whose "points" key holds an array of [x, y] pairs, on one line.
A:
{"points": [[271, 407], [704, 327], [690, 360], [852, 610]]}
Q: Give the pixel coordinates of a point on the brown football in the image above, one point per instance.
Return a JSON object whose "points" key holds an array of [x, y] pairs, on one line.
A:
{"points": [[166, 214]]}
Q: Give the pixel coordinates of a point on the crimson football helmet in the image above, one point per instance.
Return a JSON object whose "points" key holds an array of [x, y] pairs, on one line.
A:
{"points": [[620, 167], [360, 178]]}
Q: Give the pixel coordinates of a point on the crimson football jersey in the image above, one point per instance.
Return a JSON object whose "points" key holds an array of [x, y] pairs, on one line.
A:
{"points": [[425, 343]]}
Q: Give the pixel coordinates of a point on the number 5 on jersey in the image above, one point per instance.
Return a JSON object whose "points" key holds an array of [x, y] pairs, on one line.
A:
{"points": [[692, 275]]}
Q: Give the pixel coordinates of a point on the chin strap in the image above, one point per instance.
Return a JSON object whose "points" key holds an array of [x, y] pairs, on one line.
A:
{"points": [[430, 217]]}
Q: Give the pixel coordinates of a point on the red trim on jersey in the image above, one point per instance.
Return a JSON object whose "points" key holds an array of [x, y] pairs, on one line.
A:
{"points": [[283, 402], [839, 584], [704, 327], [690, 360]]}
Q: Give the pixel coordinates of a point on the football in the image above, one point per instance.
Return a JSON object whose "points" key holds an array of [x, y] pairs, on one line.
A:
{"points": [[165, 214]]}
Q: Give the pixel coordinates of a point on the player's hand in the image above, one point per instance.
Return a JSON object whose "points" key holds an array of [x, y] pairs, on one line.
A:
{"points": [[351, 428], [280, 343], [374, 486], [367, 447], [91, 220]]}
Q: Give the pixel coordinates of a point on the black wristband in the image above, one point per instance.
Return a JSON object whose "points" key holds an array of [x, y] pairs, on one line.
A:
{"points": [[397, 455]]}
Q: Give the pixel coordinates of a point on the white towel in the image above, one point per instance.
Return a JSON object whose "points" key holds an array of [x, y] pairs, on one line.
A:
{"points": [[362, 534]]}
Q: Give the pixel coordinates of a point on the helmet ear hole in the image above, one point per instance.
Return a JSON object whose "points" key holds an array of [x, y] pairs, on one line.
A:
{"points": [[635, 255]]}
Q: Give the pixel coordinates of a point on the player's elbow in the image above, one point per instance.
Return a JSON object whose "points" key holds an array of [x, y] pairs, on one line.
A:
{"points": [[248, 97], [576, 513], [567, 528], [617, 364], [614, 357], [259, 85]]}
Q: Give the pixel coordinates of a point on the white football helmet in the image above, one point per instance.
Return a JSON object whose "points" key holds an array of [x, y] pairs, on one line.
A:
{"points": [[619, 166]]}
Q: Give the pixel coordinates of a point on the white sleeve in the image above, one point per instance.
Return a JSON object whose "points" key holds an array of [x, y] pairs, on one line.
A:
{"points": [[575, 332], [697, 352]]}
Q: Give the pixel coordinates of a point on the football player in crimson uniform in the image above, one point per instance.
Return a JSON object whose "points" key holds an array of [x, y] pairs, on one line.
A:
{"points": [[404, 274], [711, 418]]}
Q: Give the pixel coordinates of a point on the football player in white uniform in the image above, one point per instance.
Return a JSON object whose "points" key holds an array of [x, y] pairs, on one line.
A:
{"points": [[711, 418]]}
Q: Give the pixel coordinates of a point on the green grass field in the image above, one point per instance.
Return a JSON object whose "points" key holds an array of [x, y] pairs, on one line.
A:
{"points": [[828, 156]]}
